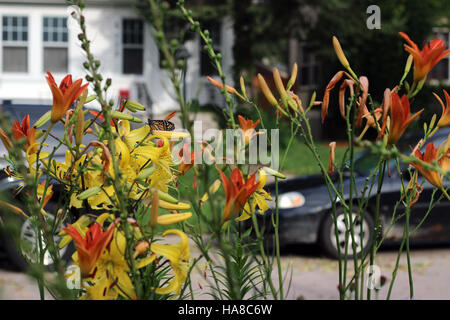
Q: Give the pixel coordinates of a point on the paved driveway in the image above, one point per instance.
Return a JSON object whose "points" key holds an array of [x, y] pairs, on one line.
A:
{"points": [[314, 277]]}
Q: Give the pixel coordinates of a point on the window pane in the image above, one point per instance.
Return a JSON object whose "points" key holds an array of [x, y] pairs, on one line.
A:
{"points": [[55, 60], [15, 59], [55, 29], [15, 28], [132, 31], [132, 61], [440, 70]]}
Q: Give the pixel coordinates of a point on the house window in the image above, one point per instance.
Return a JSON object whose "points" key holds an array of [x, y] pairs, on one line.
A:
{"points": [[207, 67], [441, 70], [15, 43], [133, 46], [55, 39], [309, 67]]}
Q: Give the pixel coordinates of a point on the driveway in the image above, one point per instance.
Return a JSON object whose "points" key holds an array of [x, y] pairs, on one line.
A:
{"points": [[314, 277]]}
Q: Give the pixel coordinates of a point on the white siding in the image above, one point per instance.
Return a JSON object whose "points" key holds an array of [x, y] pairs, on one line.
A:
{"points": [[104, 30]]}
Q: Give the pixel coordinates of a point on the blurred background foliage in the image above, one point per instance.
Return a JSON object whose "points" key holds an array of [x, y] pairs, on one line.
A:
{"points": [[264, 30]]}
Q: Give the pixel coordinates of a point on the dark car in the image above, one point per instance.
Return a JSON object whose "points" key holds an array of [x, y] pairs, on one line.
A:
{"points": [[305, 209], [16, 232]]}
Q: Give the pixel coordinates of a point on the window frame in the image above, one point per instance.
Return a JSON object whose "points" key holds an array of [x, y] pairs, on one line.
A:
{"points": [[55, 44], [125, 46], [435, 81], [311, 65], [15, 43]]}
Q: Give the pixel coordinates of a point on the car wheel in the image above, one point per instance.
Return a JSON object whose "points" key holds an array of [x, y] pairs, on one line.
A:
{"points": [[362, 236], [20, 242]]}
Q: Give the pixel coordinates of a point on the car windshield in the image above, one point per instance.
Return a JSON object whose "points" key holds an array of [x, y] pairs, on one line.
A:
{"points": [[367, 161]]}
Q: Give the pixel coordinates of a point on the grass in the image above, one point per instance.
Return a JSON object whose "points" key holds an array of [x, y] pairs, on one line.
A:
{"points": [[300, 160]]}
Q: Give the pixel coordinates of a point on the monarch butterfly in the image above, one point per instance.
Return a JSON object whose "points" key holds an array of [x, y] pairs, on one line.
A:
{"points": [[163, 125]]}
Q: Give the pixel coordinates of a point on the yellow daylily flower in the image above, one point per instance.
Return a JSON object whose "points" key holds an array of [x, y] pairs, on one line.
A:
{"points": [[113, 265], [178, 255], [258, 199]]}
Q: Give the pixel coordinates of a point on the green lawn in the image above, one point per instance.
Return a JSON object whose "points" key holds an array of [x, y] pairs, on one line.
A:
{"points": [[300, 160]]}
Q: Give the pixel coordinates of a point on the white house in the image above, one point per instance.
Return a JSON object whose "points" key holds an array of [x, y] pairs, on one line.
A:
{"points": [[41, 35]]}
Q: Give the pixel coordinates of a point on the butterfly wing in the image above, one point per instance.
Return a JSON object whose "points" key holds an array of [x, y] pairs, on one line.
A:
{"points": [[162, 125]]}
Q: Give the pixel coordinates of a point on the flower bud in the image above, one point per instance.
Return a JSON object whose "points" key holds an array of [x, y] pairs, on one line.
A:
{"points": [[266, 91], [331, 157], [43, 119], [154, 211], [89, 193], [135, 105]]}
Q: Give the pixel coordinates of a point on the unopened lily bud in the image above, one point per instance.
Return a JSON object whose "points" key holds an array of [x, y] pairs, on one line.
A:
{"points": [[340, 53], [172, 206], [91, 98], [212, 189], [43, 119], [147, 172], [5, 139], [167, 197], [242, 83], [13, 208], [273, 172], [175, 135], [266, 91], [433, 121], [331, 157], [154, 211], [135, 105], [220, 85], [293, 77], [140, 248], [279, 84], [89, 193], [168, 219], [124, 116], [79, 127], [408, 66]]}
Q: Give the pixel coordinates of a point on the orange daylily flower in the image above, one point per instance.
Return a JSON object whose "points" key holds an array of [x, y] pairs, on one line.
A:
{"points": [[432, 154], [425, 59], [386, 106], [248, 128], [445, 117], [90, 247], [326, 96], [400, 118], [64, 95], [23, 130], [237, 192], [40, 193]]}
